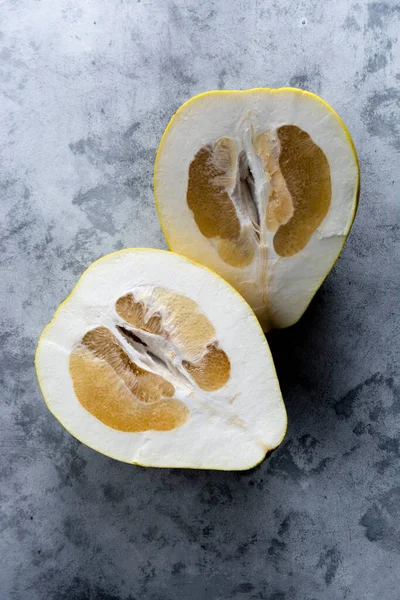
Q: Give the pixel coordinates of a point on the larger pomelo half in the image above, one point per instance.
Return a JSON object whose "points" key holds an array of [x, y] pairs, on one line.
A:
{"points": [[262, 187], [157, 361]]}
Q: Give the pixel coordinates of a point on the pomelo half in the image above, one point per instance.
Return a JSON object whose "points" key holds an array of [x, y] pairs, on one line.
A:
{"points": [[157, 361], [262, 187]]}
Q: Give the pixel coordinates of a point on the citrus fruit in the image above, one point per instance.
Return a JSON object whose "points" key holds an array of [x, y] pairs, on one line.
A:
{"points": [[157, 361], [262, 187]]}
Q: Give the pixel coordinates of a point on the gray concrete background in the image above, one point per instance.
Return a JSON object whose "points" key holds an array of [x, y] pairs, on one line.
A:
{"points": [[87, 89]]}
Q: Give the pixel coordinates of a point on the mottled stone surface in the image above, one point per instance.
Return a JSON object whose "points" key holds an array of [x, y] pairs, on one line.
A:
{"points": [[86, 91]]}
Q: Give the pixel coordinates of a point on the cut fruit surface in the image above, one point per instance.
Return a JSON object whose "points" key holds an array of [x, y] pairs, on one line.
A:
{"points": [[156, 360], [262, 187]]}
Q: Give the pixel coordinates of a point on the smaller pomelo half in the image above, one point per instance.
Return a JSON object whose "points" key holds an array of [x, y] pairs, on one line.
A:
{"points": [[262, 187], [157, 361]]}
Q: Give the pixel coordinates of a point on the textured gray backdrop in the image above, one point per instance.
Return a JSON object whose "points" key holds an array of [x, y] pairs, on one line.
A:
{"points": [[87, 89]]}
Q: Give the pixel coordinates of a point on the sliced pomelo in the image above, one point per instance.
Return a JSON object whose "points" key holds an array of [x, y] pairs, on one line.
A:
{"points": [[157, 361], [262, 187]]}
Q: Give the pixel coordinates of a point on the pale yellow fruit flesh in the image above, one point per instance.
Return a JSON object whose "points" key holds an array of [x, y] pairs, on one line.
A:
{"points": [[306, 172], [212, 371], [299, 197], [127, 397], [211, 173]]}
